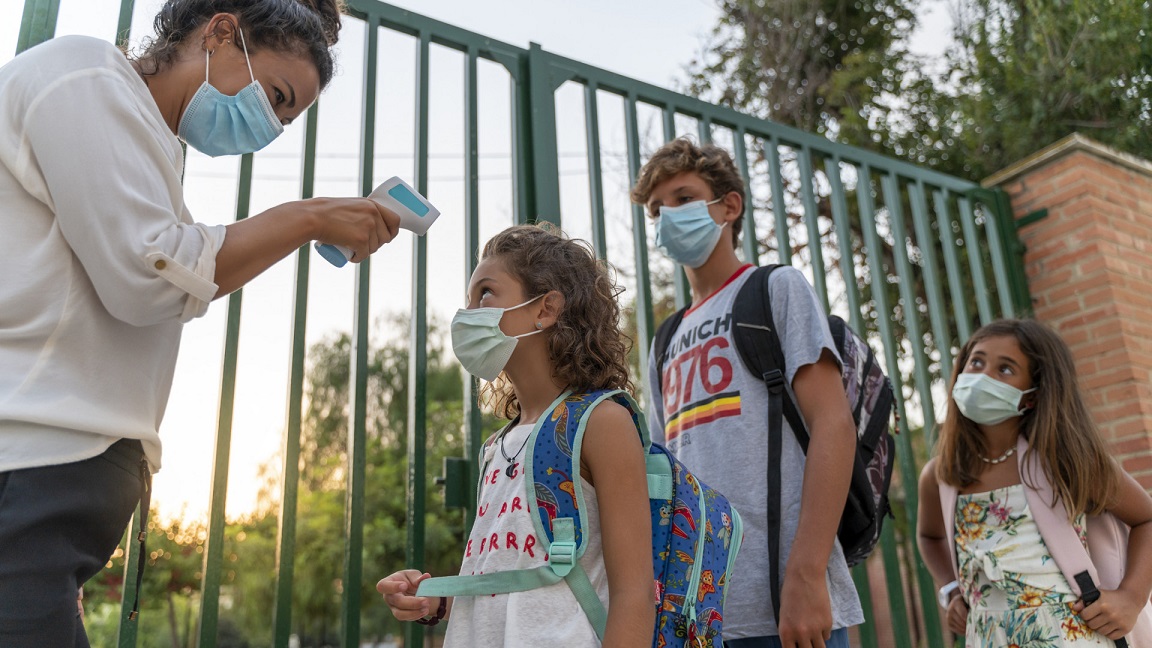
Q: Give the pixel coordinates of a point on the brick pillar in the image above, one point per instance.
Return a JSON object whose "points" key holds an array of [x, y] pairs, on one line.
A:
{"points": [[1089, 267]]}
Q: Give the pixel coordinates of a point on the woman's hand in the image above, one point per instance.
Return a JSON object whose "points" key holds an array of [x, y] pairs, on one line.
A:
{"points": [[1114, 614], [957, 615], [359, 224], [399, 590]]}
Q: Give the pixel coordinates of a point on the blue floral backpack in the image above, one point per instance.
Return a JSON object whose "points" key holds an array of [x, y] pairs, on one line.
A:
{"points": [[695, 531]]}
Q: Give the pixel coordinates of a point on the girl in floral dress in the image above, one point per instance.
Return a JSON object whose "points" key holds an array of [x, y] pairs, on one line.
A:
{"points": [[1015, 405]]}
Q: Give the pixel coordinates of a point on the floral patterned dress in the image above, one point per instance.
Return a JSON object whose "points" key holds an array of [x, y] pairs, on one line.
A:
{"points": [[1017, 595]]}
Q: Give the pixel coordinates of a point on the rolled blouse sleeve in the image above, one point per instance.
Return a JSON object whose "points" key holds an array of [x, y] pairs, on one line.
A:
{"points": [[105, 163]]}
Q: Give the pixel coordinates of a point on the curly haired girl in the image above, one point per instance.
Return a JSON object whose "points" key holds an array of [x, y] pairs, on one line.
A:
{"points": [[542, 319]]}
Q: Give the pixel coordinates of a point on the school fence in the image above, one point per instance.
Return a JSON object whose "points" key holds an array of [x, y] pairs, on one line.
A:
{"points": [[912, 258]]}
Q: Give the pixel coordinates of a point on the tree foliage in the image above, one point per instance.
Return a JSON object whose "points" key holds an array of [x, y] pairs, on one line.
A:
{"points": [[171, 594]]}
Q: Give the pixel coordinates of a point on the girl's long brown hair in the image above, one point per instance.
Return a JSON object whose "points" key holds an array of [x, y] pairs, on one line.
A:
{"points": [[586, 348], [1058, 427]]}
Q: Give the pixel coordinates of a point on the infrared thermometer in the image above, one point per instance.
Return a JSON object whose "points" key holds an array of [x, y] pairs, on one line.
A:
{"points": [[415, 212]]}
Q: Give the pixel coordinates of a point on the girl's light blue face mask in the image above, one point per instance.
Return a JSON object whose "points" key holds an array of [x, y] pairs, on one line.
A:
{"points": [[687, 233], [986, 401], [216, 124], [479, 344]]}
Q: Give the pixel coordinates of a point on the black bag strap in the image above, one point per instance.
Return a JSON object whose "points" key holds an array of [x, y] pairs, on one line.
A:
{"points": [[1090, 594], [759, 347], [664, 338]]}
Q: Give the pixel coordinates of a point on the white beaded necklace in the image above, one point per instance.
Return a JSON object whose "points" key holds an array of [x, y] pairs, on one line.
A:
{"points": [[1001, 459]]}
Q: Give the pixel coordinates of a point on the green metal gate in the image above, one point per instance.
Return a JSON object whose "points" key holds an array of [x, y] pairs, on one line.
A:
{"points": [[914, 258]]}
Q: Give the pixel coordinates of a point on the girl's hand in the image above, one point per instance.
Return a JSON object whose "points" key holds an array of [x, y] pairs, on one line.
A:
{"points": [[957, 615], [1113, 614], [399, 591], [360, 224]]}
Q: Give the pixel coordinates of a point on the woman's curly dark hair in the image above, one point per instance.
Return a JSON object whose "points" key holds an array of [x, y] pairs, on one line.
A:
{"points": [[586, 347], [303, 27]]}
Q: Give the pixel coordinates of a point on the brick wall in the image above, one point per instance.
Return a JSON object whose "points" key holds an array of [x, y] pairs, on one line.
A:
{"points": [[1089, 267]]}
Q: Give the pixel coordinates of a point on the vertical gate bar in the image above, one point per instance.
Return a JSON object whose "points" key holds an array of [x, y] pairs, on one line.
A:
{"points": [[124, 23], [879, 282], [595, 172], [418, 346], [999, 252], [358, 379], [911, 309], [681, 290], [704, 129], [952, 266], [214, 545], [898, 610], [975, 260], [891, 191], [936, 311], [844, 241], [812, 220], [286, 531], [473, 432], [669, 120], [644, 324], [1013, 250], [523, 181], [779, 202], [751, 247], [865, 631], [545, 157], [38, 23]]}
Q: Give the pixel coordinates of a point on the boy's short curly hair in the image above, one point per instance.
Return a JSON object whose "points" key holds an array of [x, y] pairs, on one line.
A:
{"points": [[713, 164], [587, 348]]}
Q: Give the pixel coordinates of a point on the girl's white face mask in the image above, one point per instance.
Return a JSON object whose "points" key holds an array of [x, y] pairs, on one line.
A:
{"points": [[986, 401], [479, 344]]}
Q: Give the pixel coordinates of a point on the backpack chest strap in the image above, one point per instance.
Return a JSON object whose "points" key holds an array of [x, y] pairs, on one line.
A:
{"points": [[562, 566]]}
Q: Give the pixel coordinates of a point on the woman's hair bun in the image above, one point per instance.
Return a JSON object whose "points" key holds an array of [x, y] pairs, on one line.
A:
{"points": [[329, 12]]}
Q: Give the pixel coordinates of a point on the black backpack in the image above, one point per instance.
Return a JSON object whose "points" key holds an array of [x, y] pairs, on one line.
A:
{"points": [[869, 393]]}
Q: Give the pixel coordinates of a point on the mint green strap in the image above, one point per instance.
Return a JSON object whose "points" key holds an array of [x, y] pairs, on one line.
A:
{"points": [[586, 595], [562, 565], [520, 580]]}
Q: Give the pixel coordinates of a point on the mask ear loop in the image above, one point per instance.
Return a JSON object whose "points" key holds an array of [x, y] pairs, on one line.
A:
{"points": [[246, 58]]}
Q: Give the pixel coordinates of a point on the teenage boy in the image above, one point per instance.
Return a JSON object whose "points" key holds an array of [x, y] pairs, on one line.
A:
{"points": [[712, 413]]}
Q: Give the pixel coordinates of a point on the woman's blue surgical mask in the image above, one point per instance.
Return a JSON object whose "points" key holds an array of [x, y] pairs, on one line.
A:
{"points": [[479, 344], [687, 233], [986, 401], [216, 124]]}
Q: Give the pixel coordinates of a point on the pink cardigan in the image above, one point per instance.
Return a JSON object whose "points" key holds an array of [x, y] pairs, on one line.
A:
{"points": [[1107, 538]]}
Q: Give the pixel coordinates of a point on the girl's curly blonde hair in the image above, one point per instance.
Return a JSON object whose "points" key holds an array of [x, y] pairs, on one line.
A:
{"points": [[586, 347]]}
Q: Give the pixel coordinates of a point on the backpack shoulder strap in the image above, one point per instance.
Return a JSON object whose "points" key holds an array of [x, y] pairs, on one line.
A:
{"points": [[664, 334], [552, 479], [759, 344], [1052, 519]]}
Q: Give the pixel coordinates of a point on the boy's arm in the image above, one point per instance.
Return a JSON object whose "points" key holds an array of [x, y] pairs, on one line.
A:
{"points": [[805, 607], [615, 460]]}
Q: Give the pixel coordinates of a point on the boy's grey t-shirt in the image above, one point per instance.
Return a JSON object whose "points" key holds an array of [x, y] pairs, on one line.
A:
{"points": [[712, 413]]}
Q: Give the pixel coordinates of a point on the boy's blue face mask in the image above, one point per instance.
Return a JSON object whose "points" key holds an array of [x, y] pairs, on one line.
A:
{"points": [[687, 233], [216, 124]]}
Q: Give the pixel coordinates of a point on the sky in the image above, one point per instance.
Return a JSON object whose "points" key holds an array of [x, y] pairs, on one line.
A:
{"points": [[648, 40]]}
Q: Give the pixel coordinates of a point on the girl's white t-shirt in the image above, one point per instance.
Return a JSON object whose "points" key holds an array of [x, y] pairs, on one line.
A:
{"points": [[504, 538]]}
